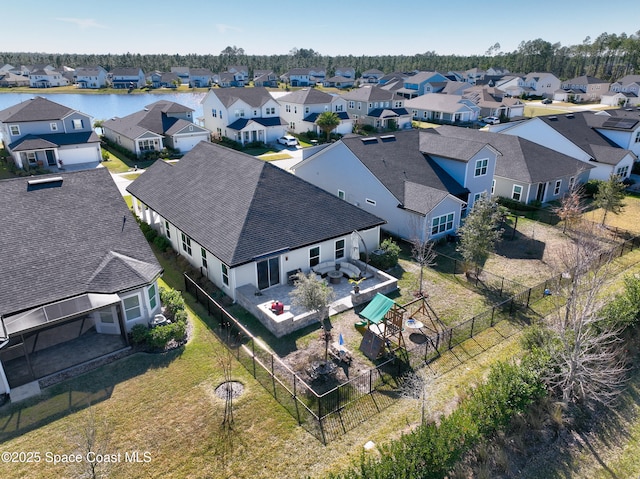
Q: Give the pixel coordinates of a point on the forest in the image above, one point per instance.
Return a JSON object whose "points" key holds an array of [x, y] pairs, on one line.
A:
{"points": [[608, 57]]}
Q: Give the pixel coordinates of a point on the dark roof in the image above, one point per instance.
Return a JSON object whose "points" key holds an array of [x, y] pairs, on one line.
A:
{"points": [[66, 238], [388, 112], [51, 140], [240, 123], [240, 208], [624, 119], [575, 128], [396, 159], [343, 115], [34, 109], [520, 159], [153, 118]]}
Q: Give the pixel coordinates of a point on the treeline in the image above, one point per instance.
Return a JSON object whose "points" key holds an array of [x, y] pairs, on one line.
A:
{"points": [[609, 57]]}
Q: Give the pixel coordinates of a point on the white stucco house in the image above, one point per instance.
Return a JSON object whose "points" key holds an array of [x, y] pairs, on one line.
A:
{"points": [[300, 109]]}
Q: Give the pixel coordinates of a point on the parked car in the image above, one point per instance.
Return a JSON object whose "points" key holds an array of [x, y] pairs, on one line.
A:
{"points": [[547, 101], [288, 140], [491, 120]]}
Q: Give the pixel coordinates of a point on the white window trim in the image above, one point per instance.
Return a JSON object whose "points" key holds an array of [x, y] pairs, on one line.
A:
{"points": [[319, 254], [513, 190], [14, 130], [124, 310], [479, 166], [342, 194], [557, 187]]}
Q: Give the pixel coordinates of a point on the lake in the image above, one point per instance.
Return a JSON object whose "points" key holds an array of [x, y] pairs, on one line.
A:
{"points": [[106, 106]]}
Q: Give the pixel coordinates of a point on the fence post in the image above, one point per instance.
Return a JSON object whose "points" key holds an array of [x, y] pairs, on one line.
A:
{"points": [[493, 312], [501, 286], [295, 400], [473, 322], [450, 337], [528, 297], [273, 379], [253, 355]]}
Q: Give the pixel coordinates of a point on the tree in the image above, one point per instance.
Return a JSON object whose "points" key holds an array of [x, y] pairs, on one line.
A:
{"points": [[587, 363], [610, 196], [571, 208], [313, 294], [422, 250], [91, 435], [328, 121], [480, 232]]}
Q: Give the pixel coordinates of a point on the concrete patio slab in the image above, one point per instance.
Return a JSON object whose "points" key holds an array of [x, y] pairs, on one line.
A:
{"points": [[25, 391]]}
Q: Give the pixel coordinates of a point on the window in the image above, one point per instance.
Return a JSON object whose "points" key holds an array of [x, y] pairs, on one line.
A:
{"points": [[481, 167], [397, 104], [359, 105], [623, 171], [637, 139], [14, 130], [225, 274], [147, 145], [77, 124], [556, 189], [153, 300], [268, 272], [106, 316], [186, 244], [340, 249], [292, 125], [314, 256], [516, 194], [306, 110], [271, 110], [214, 113], [341, 194], [440, 224], [493, 187], [203, 254], [352, 104], [370, 202], [167, 229], [239, 113], [476, 197], [53, 126], [287, 108], [132, 308], [572, 182]]}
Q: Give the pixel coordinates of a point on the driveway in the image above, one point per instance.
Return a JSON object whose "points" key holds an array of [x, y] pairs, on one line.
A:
{"points": [[296, 157]]}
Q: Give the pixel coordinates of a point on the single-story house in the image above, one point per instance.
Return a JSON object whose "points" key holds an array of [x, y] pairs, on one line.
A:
{"points": [[244, 222], [76, 274], [442, 108]]}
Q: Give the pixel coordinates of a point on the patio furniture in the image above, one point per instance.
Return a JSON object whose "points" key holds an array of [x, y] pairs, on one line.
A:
{"points": [[334, 276], [340, 352]]}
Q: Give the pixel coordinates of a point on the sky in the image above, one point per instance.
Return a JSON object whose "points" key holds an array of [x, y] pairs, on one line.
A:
{"points": [[329, 27]]}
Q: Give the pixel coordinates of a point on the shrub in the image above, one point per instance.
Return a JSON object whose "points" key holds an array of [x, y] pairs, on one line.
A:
{"points": [[172, 300], [139, 334], [151, 235], [591, 187], [162, 243], [389, 257], [160, 336]]}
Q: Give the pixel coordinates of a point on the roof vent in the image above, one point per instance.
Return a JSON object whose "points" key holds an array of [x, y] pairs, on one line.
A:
{"points": [[369, 140], [42, 183], [570, 116], [388, 138], [552, 118]]}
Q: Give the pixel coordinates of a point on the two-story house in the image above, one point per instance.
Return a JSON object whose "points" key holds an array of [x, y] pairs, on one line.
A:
{"points": [[45, 76], [624, 92], [127, 77], [621, 126], [265, 78], [90, 77], [375, 106], [244, 115], [422, 83], [345, 72], [161, 124], [242, 72], [421, 183], [231, 80], [301, 108], [542, 84], [297, 77], [584, 88], [493, 102], [42, 133], [371, 76]]}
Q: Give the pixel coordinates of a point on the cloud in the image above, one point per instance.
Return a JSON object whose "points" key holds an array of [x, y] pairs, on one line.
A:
{"points": [[83, 23], [222, 28]]}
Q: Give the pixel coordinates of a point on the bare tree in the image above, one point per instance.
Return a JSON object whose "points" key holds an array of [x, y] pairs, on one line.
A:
{"points": [[91, 436], [610, 196], [422, 250], [224, 358], [417, 385], [587, 364], [571, 208]]}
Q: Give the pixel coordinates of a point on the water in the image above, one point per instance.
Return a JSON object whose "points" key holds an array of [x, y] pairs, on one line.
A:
{"points": [[106, 106]]}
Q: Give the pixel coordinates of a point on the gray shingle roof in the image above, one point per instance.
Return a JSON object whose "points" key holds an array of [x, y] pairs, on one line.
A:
{"points": [[306, 96], [35, 109], [255, 97], [239, 208], [370, 93], [74, 238], [520, 159], [397, 159], [52, 140], [154, 118]]}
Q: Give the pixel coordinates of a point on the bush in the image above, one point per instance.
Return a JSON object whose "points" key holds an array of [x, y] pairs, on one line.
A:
{"points": [[591, 188], [139, 334], [173, 301], [162, 243], [151, 235], [159, 337], [389, 257]]}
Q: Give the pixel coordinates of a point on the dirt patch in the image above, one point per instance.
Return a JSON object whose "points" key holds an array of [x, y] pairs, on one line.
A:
{"points": [[233, 388]]}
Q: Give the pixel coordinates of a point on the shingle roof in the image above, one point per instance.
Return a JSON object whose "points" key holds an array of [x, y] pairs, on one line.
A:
{"points": [[239, 208], [52, 140], [306, 96], [153, 118], [397, 159], [35, 109], [255, 97], [370, 93], [520, 159], [70, 239], [240, 123]]}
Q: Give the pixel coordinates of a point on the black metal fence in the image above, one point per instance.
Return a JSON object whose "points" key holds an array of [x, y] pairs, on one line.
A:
{"points": [[329, 415]]}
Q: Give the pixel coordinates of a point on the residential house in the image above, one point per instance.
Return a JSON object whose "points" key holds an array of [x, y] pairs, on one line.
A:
{"points": [[297, 77], [161, 124], [300, 109], [345, 72], [422, 83], [231, 79], [542, 84], [624, 92], [78, 276], [420, 183], [621, 126], [372, 105], [443, 108], [10, 79], [492, 102], [45, 76], [581, 89], [159, 79], [371, 76], [242, 72], [525, 171], [182, 73], [245, 115], [338, 82], [200, 77], [246, 224], [572, 135], [497, 71], [265, 78], [90, 77], [42, 133], [127, 78]]}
